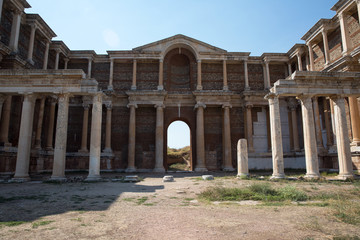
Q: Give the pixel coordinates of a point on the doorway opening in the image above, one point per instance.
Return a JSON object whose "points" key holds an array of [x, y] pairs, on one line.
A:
{"points": [[179, 153]]}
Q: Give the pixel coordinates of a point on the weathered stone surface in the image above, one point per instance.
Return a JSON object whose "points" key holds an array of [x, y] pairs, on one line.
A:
{"points": [[168, 178], [207, 177]]}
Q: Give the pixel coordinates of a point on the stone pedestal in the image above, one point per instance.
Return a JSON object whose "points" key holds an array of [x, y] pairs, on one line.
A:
{"points": [[159, 141], [95, 139], [24, 146], [242, 158], [200, 139]]}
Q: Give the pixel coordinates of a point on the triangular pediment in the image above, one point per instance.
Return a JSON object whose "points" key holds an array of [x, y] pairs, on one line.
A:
{"points": [[164, 44]]}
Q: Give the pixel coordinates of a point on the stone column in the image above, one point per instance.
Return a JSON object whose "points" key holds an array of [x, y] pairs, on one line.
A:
{"points": [[355, 120], [225, 81], [247, 87], [358, 9], [267, 75], [159, 141], [84, 133], [24, 145], [46, 54], [227, 162], [199, 84], [298, 55], [276, 137], [327, 116], [58, 173], [295, 131], [132, 140], [268, 132], [108, 128], [89, 67], [326, 47], [242, 158], [311, 56], [289, 69], [307, 62], [1, 6], [200, 138], [31, 43], [111, 74], [249, 128], [49, 140], [161, 74], [15, 30], [311, 153], [345, 38], [57, 59], [133, 85], [40, 123], [5, 122], [66, 62], [319, 140], [342, 138], [95, 139]]}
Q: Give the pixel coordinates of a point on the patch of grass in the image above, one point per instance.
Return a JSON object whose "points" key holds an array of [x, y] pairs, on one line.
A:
{"points": [[347, 211], [149, 204], [347, 237], [179, 167], [257, 192], [128, 199], [76, 219], [141, 200], [42, 223], [11, 223]]}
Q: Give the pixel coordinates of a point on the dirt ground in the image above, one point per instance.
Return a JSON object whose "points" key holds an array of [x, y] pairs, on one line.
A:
{"points": [[152, 209]]}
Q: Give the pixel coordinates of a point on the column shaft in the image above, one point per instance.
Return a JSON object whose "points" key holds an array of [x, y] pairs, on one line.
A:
{"points": [[267, 75], [89, 68], [108, 129], [161, 75], [319, 140], [199, 84], [358, 9], [200, 139], [159, 139], [132, 140], [225, 80], [84, 135], [66, 62], [31, 43], [247, 87], [50, 135], [276, 137], [311, 154], [326, 47], [57, 59], [46, 54], [227, 162], [355, 120], [15, 31], [300, 65], [327, 123], [111, 74], [95, 139], [249, 128], [61, 138], [39, 124], [24, 145], [311, 56], [5, 121], [268, 131], [289, 69], [342, 139], [346, 43], [133, 85], [295, 130]]}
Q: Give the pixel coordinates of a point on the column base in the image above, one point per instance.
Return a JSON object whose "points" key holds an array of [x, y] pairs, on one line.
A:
{"points": [[57, 179], [159, 170], [312, 176], [83, 151], [93, 178], [49, 149], [345, 176], [355, 143], [130, 170], [247, 89], [199, 88], [160, 87], [201, 169], [133, 88], [242, 175], [228, 169], [108, 151], [277, 176], [225, 88], [19, 179], [110, 88]]}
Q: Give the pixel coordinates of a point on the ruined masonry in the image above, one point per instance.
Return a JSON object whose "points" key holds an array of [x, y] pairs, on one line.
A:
{"points": [[64, 110]]}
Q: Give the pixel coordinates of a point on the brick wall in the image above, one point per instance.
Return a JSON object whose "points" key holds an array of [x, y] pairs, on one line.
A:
{"points": [[319, 56], [39, 51], [24, 38], [236, 77], [101, 72], [5, 26], [147, 77], [120, 135], [212, 76], [335, 48], [354, 29], [277, 71], [122, 76], [256, 76]]}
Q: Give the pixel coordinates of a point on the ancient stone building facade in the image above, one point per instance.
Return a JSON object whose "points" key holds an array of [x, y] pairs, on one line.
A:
{"points": [[78, 110]]}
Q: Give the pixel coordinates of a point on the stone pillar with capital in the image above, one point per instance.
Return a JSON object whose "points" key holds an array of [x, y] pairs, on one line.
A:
{"points": [[24, 145], [5, 122], [46, 54], [267, 83], [311, 56], [342, 138], [311, 153], [107, 148], [161, 75], [345, 38], [227, 162], [111, 75], [95, 139], [199, 83], [159, 139], [15, 30], [200, 138], [326, 47], [40, 123], [225, 80], [276, 137], [355, 120], [249, 128], [246, 72], [31, 44], [132, 140], [319, 139], [84, 133], [298, 55], [58, 173], [293, 103], [133, 84], [50, 135]]}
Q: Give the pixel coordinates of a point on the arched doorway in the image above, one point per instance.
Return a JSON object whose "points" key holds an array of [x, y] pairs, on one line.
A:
{"points": [[179, 147]]}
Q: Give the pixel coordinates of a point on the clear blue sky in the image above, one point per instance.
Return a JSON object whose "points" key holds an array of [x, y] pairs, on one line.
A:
{"points": [[234, 25]]}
